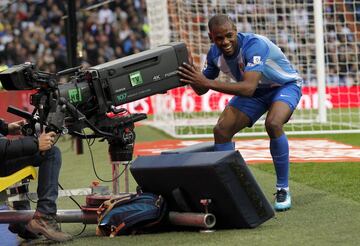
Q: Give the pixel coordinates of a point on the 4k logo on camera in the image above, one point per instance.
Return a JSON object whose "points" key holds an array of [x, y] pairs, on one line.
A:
{"points": [[75, 95]]}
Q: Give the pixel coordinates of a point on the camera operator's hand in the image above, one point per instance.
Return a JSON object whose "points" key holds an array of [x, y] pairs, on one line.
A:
{"points": [[46, 141], [14, 128]]}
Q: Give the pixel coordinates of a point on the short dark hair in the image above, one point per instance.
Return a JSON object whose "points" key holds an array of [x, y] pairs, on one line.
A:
{"points": [[220, 19]]}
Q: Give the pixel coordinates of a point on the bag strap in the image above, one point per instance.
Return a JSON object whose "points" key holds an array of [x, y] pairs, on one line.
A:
{"points": [[109, 204], [116, 230]]}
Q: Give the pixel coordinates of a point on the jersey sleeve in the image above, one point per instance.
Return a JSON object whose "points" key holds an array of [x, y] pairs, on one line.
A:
{"points": [[210, 70], [255, 54]]}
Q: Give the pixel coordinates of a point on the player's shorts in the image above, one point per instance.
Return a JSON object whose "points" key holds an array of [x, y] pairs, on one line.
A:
{"points": [[254, 107]]}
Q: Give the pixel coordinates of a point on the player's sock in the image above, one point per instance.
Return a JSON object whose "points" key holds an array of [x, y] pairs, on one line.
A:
{"points": [[224, 146], [279, 149]]}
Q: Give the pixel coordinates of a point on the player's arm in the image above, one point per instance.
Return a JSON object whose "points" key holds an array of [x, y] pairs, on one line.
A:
{"points": [[199, 90], [255, 56], [245, 88], [210, 71]]}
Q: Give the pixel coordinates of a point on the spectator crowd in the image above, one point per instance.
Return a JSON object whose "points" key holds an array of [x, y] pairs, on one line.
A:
{"points": [[34, 30]]}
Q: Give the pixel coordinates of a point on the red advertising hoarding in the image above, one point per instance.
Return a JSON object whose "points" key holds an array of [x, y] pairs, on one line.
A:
{"points": [[185, 100]]}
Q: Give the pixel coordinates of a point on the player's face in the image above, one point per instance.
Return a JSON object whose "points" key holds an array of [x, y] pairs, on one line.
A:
{"points": [[225, 38]]}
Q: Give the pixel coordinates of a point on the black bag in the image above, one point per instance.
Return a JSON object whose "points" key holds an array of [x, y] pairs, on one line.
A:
{"points": [[129, 214]]}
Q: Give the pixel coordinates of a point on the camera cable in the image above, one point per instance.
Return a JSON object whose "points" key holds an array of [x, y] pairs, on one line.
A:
{"points": [[73, 199], [93, 163]]}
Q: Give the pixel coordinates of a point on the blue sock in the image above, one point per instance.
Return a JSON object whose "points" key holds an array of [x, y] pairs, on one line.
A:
{"points": [[224, 146], [279, 149], [7, 238]]}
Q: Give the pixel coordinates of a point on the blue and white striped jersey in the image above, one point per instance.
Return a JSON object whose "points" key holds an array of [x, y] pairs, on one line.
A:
{"points": [[255, 53]]}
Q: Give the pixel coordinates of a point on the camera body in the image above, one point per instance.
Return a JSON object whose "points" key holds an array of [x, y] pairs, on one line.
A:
{"points": [[138, 76]]}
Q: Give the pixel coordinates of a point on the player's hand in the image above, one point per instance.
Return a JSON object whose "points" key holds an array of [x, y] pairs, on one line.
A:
{"points": [[46, 141], [14, 128], [192, 76]]}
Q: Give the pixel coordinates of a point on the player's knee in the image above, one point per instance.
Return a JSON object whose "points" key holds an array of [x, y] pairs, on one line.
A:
{"points": [[216, 131], [221, 133], [273, 127]]}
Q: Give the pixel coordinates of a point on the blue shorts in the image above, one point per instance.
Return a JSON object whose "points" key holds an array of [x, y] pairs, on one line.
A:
{"points": [[254, 107]]}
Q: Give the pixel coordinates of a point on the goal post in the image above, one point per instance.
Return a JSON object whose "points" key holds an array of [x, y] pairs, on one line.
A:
{"points": [[320, 60], [320, 38]]}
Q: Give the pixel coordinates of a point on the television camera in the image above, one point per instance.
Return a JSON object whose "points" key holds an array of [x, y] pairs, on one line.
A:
{"points": [[91, 99], [93, 94]]}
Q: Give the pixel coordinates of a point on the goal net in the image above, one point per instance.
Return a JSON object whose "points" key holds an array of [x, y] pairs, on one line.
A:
{"points": [[320, 38]]}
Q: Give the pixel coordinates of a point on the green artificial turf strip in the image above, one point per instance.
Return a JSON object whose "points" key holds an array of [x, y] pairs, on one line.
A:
{"points": [[340, 178]]}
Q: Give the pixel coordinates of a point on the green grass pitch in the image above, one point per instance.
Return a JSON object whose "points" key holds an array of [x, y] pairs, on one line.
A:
{"points": [[326, 202]]}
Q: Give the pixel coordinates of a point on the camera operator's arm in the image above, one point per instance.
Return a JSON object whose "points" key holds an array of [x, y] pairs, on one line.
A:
{"points": [[12, 148], [14, 128], [3, 127]]}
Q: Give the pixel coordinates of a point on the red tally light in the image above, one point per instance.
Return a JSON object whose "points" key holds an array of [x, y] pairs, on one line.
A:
{"points": [[121, 112]]}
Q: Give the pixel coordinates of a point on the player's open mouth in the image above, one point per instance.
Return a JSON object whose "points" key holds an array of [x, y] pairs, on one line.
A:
{"points": [[228, 49]]}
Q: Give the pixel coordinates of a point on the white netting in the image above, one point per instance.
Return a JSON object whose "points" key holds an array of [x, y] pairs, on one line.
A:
{"points": [[158, 21], [291, 25]]}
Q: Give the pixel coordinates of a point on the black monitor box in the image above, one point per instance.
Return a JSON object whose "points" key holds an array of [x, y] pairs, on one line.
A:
{"points": [[199, 147], [141, 75], [186, 178]]}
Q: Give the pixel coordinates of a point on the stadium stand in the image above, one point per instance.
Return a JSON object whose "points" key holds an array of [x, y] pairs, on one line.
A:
{"points": [[34, 31]]}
